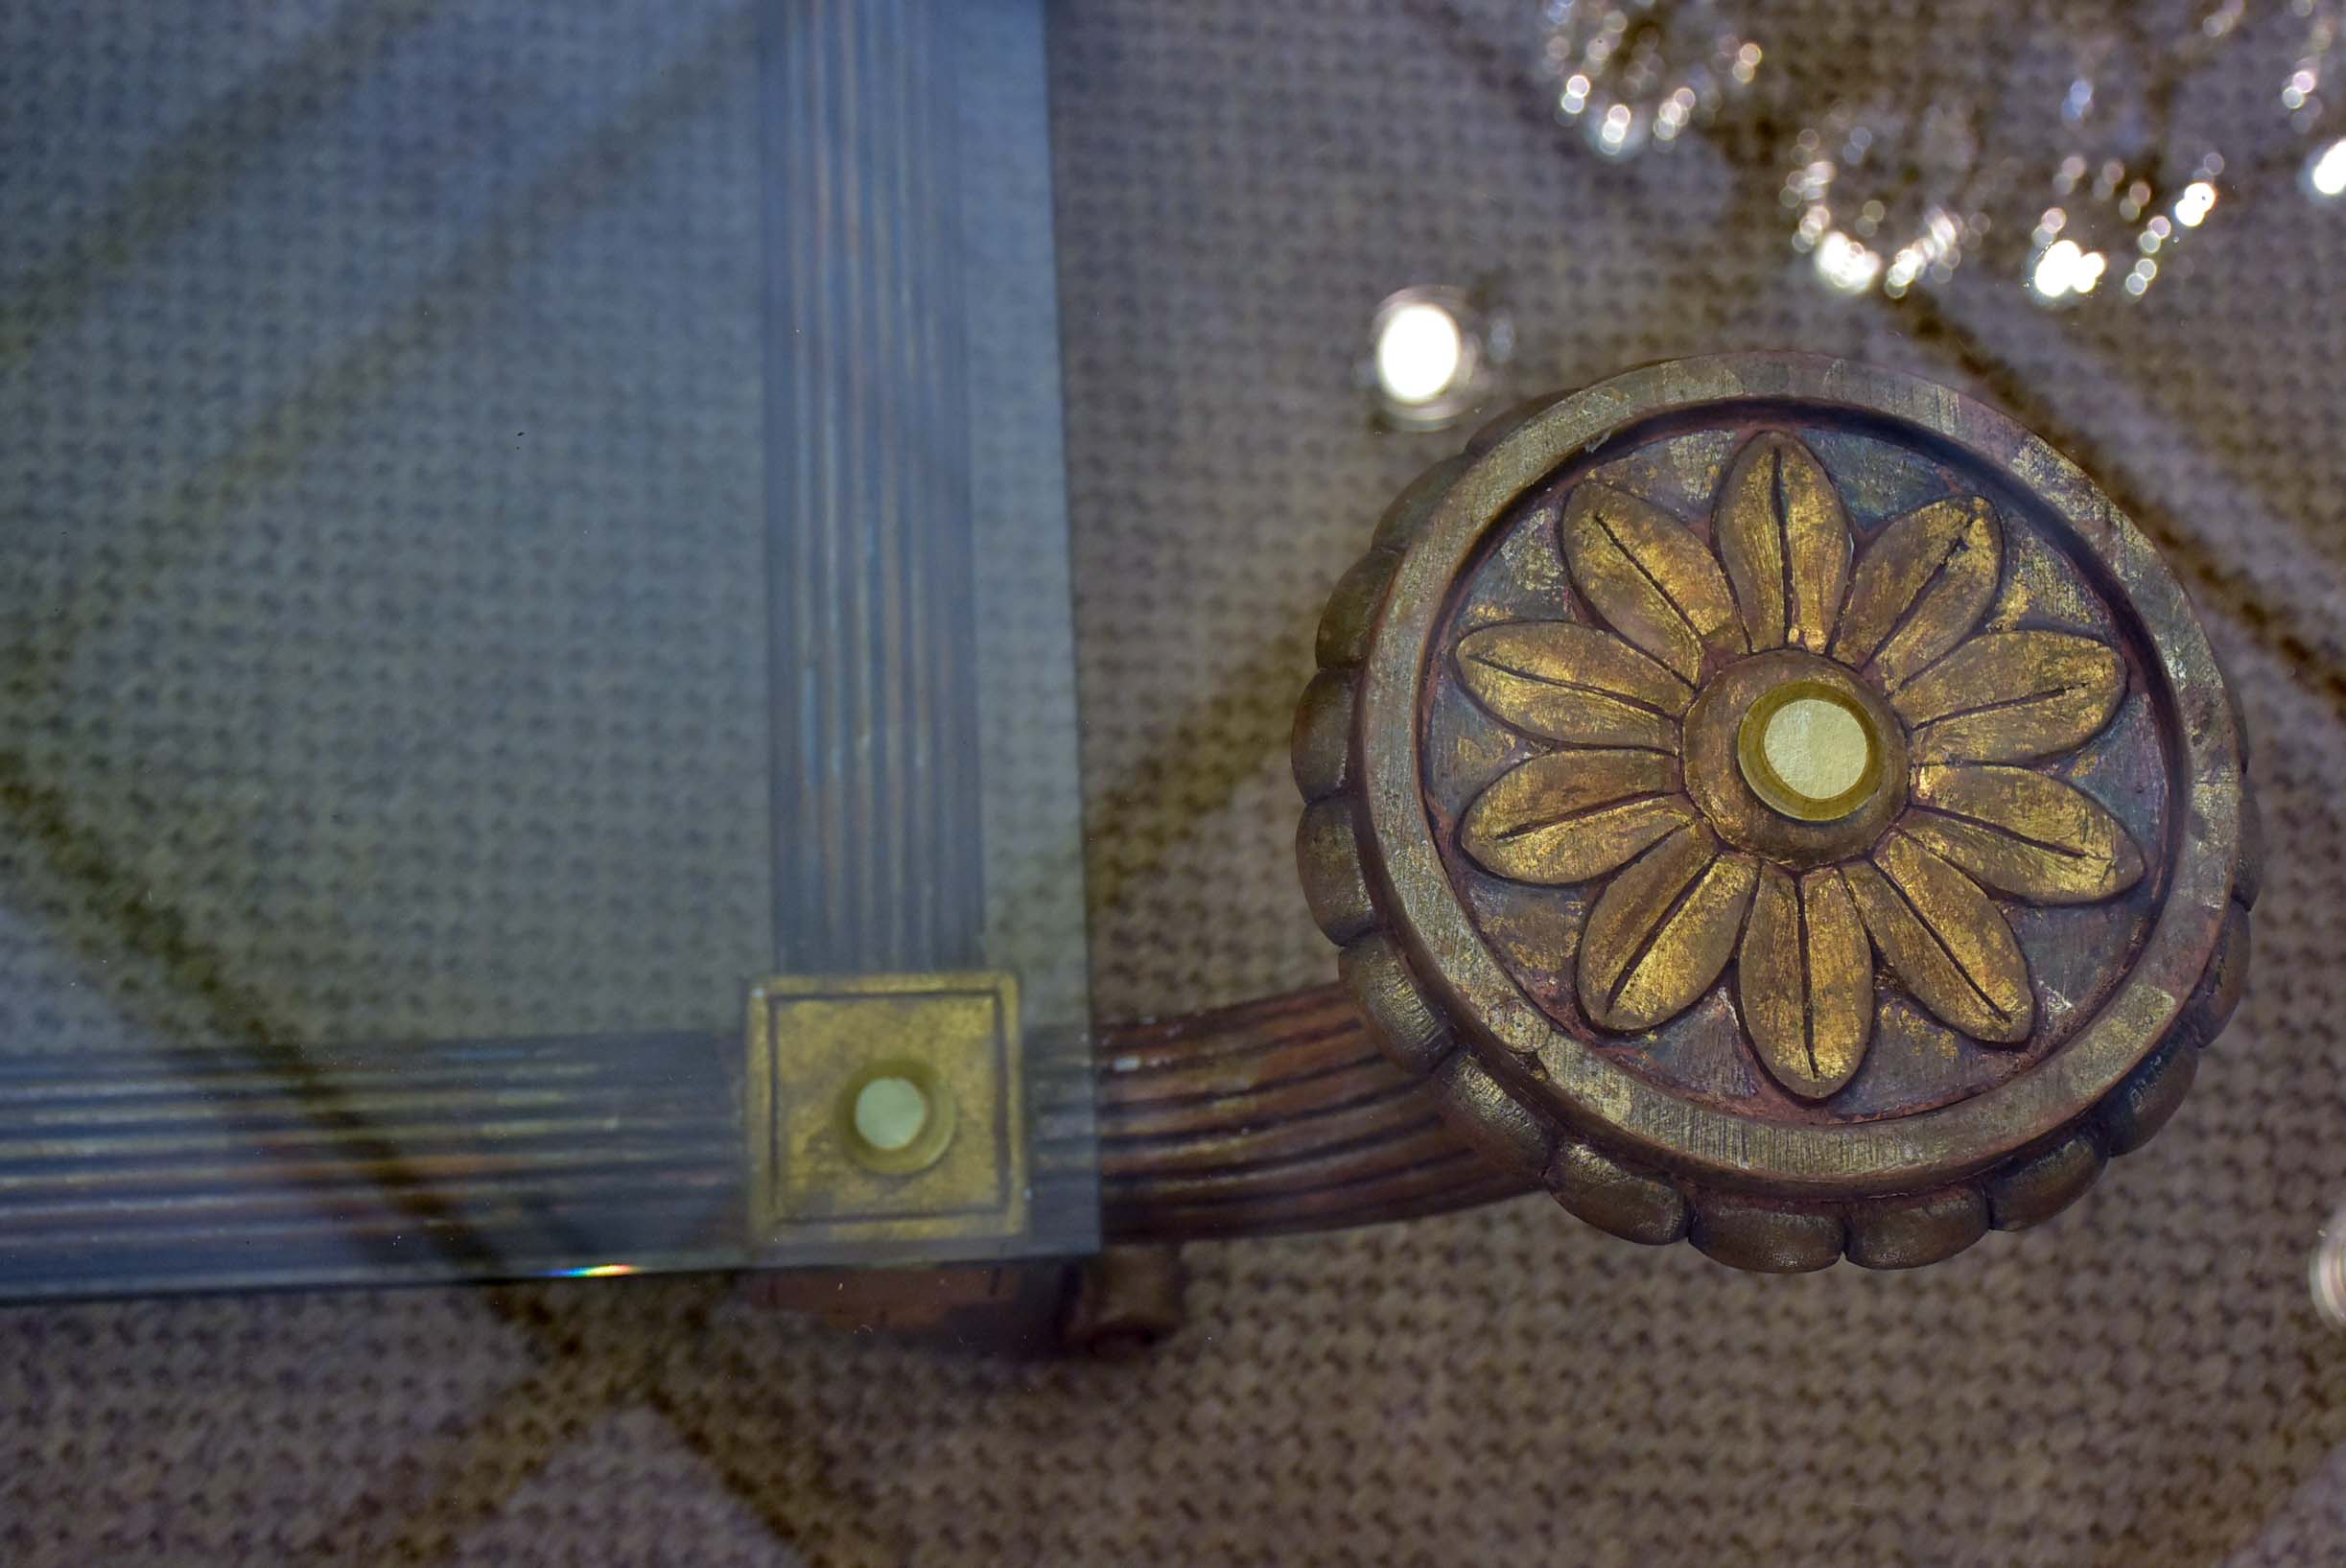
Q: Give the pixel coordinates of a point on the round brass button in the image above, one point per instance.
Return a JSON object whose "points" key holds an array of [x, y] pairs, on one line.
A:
{"points": [[1748, 801], [1810, 751], [895, 1117]]}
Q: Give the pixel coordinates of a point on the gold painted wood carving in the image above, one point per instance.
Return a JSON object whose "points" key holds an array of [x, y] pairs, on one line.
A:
{"points": [[1813, 735], [1810, 806]]}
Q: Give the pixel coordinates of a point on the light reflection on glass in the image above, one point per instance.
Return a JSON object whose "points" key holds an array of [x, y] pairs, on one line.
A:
{"points": [[2065, 271], [1419, 353], [1432, 350], [2326, 1272], [1881, 195], [2326, 171], [1614, 131], [2104, 211], [2300, 93], [1633, 73], [2318, 116], [1846, 264]]}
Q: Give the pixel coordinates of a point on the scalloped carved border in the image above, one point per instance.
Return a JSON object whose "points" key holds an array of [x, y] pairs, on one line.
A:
{"points": [[1647, 1204]]}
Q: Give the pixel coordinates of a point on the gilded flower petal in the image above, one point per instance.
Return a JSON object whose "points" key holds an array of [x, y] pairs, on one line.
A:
{"points": [[1662, 930], [1920, 588], [2021, 832], [1784, 540], [2012, 697], [1573, 814], [1651, 580], [1804, 979], [1573, 684], [1947, 940]]}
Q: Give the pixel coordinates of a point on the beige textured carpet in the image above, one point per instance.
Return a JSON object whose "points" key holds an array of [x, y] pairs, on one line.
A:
{"points": [[2141, 1383]]}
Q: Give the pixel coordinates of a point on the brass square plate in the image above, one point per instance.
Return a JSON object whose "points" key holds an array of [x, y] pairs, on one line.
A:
{"points": [[946, 1043]]}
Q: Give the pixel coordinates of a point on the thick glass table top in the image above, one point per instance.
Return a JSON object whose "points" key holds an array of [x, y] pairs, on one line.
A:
{"points": [[519, 529]]}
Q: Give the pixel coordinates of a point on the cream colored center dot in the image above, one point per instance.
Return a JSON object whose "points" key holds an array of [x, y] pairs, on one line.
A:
{"points": [[890, 1113], [1817, 748]]}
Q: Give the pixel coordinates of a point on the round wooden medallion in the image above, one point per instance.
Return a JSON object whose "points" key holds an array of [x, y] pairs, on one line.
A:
{"points": [[1785, 803]]}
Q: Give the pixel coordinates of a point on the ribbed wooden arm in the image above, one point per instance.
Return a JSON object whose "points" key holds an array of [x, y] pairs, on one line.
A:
{"points": [[1274, 1115]]}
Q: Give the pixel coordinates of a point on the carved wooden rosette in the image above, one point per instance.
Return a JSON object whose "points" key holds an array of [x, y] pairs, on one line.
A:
{"points": [[1781, 804]]}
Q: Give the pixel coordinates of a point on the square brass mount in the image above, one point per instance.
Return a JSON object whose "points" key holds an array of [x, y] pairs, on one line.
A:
{"points": [[887, 1111]]}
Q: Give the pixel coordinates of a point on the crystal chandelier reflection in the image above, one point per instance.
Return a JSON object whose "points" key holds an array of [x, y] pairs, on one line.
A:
{"points": [[1637, 73], [2314, 100], [1884, 194], [2109, 224], [2129, 182], [2070, 159]]}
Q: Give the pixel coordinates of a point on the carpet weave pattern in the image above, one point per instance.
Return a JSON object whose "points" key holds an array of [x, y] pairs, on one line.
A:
{"points": [[2141, 1384]]}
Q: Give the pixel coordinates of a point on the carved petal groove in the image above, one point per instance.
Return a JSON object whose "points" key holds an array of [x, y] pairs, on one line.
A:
{"points": [[2012, 697], [1573, 684], [1920, 588], [1573, 814], [1947, 941], [1784, 539], [1651, 580], [1661, 931], [2023, 833], [1804, 979]]}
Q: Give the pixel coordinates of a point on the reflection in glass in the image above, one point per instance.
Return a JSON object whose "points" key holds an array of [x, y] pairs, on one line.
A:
{"points": [[1631, 72], [2324, 173], [1432, 354], [1884, 195]]}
